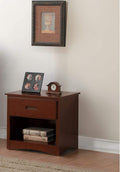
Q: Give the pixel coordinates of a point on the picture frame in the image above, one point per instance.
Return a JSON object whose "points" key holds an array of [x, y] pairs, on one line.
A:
{"points": [[32, 82], [49, 23]]}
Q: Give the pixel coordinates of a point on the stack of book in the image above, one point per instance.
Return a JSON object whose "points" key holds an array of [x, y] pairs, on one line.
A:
{"points": [[44, 135]]}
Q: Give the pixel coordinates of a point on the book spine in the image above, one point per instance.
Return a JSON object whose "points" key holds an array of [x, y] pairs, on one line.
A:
{"points": [[26, 131], [34, 133], [37, 133], [43, 133], [35, 138]]}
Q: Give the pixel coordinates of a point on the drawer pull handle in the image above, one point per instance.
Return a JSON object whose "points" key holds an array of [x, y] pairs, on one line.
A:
{"points": [[30, 108]]}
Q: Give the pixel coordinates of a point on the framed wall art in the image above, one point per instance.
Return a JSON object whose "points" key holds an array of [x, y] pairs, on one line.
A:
{"points": [[32, 82], [48, 23]]}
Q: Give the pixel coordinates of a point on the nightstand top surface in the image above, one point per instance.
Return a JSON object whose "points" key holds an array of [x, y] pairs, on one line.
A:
{"points": [[43, 94]]}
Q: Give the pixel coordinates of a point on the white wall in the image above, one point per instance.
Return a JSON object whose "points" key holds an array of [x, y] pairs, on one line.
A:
{"points": [[89, 62]]}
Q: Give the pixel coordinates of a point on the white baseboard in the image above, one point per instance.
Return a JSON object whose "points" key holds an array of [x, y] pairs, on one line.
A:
{"points": [[101, 145], [86, 143], [3, 133]]}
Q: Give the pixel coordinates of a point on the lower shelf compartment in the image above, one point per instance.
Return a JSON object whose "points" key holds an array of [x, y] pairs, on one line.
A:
{"points": [[30, 145], [17, 124]]}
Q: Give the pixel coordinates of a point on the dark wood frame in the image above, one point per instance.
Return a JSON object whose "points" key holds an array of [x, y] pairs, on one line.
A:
{"points": [[62, 24]]}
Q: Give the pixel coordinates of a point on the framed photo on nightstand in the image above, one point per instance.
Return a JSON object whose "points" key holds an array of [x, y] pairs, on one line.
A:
{"points": [[32, 82]]}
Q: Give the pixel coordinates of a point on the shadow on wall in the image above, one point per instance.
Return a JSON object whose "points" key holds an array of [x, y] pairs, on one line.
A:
{"points": [[3, 109], [67, 57]]}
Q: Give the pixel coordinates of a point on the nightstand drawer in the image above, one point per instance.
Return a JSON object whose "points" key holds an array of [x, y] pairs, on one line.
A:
{"points": [[44, 109]]}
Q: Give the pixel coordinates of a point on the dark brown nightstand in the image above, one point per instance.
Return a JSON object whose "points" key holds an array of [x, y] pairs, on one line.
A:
{"points": [[50, 111]]}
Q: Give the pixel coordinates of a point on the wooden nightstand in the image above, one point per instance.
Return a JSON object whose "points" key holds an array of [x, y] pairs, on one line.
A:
{"points": [[48, 111]]}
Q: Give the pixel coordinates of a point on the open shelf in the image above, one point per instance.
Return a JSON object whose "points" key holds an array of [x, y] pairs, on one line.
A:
{"points": [[44, 111], [17, 124]]}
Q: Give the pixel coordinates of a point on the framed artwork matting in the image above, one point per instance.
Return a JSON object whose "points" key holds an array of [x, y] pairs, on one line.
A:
{"points": [[48, 23]]}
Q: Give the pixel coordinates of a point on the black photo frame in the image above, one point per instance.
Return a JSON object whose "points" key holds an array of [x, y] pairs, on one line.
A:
{"points": [[52, 15], [32, 82]]}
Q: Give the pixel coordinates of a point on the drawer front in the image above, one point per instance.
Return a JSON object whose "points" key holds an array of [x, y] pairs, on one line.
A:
{"points": [[34, 108]]}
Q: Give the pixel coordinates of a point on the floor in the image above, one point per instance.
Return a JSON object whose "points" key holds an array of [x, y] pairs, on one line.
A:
{"points": [[78, 158]]}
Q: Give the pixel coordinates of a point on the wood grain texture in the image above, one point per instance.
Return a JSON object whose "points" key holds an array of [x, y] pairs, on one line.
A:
{"points": [[43, 94], [33, 108], [79, 158], [68, 122], [45, 111]]}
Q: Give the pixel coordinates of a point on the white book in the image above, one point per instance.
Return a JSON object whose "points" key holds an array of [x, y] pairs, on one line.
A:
{"points": [[37, 131], [38, 138]]}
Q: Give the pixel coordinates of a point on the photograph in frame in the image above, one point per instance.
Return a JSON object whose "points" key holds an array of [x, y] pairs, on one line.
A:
{"points": [[32, 82]]}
